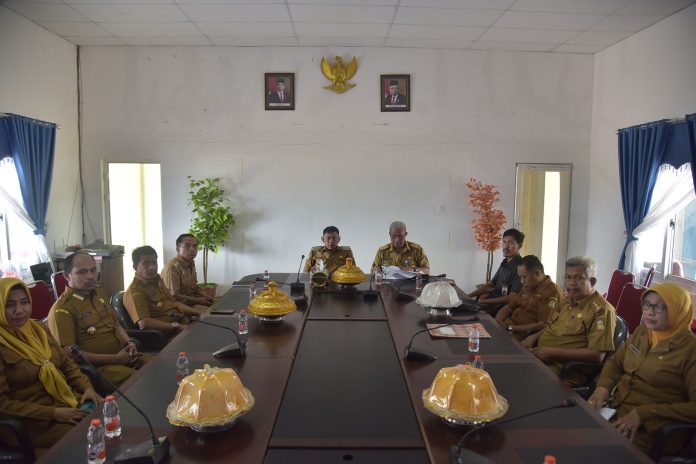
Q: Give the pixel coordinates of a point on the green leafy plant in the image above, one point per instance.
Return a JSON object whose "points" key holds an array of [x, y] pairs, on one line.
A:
{"points": [[211, 218]]}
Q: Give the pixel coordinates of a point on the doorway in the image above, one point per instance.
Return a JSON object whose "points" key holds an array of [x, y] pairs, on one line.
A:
{"points": [[133, 209], [542, 212]]}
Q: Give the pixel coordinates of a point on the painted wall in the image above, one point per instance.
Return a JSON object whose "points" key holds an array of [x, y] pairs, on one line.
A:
{"points": [[647, 77], [38, 79], [337, 159]]}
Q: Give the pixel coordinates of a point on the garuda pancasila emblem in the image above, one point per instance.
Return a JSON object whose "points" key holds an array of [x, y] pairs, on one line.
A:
{"points": [[339, 73]]}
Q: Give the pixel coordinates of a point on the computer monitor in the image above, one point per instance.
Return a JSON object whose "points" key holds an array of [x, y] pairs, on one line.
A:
{"points": [[42, 271]]}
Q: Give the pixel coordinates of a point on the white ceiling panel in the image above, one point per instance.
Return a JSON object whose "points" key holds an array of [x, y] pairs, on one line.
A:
{"points": [[555, 21], [249, 41], [572, 6], [598, 38], [626, 23], [512, 46], [131, 13], [535, 36], [97, 41], [649, 7], [473, 4], [340, 42], [427, 43], [446, 16], [238, 13], [177, 41], [340, 30], [73, 29], [152, 29], [342, 14], [44, 11], [436, 32], [247, 29], [113, 2], [346, 2], [571, 48]]}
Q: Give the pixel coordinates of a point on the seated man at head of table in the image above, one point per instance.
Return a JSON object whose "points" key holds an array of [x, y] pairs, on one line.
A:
{"points": [[398, 252], [582, 327], [148, 301], [332, 255], [531, 308], [505, 284], [83, 316], [179, 274]]}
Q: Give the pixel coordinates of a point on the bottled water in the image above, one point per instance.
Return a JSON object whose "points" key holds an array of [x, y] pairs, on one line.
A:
{"points": [[112, 418], [419, 280], [266, 276], [252, 292], [379, 278], [243, 325], [473, 340], [96, 446], [477, 362], [182, 367]]}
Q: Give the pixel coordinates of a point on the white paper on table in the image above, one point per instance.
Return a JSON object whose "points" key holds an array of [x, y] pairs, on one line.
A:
{"points": [[395, 273]]}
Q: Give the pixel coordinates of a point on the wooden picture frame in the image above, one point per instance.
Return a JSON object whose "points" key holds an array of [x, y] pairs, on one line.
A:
{"points": [[279, 91], [395, 92]]}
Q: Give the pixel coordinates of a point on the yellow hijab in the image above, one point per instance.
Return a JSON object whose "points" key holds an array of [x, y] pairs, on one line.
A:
{"points": [[679, 310], [31, 342]]}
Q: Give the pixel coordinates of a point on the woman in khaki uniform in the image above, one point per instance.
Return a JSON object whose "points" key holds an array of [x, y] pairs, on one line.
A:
{"points": [[39, 384], [652, 377]]}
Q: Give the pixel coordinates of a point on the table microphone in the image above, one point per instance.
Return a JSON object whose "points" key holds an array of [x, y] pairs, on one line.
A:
{"points": [[297, 287], [420, 355], [370, 294], [149, 452], [406, 296], [233, 350], [461, 455]]}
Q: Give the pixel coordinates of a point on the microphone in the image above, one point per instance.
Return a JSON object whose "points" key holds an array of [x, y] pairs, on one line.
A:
{"points": [[370, 294], [420, 355], [152, 452], [406, 296], [297, 287], [461, 455], [233, 350]]}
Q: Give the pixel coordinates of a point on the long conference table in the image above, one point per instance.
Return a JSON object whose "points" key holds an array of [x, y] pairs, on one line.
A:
{"points": [[331, 386]]}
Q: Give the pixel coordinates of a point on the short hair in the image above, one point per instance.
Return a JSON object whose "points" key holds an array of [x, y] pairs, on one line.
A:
{"points": [[330, 230], [68, 262], [393, 83], [588, 264], [180, 239], [138, 253], [280, 81], [516, 234], [397, 225], [532, 264]]}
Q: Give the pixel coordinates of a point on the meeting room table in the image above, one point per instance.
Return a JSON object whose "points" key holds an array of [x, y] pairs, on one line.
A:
{"points": [[331, 385]]}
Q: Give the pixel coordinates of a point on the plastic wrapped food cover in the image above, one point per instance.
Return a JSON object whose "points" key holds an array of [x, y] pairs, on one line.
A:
{"points": [[210, 397], [272, 302], [439, 294], [349, 273], [464, 393]]}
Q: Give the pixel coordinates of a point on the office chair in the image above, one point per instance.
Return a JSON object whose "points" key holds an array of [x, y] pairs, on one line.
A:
{"points": [[41, 300], [649, 277], [22, 454], [663, 437], [151, 340], [60, 283], [628, 306], [618, 279]]}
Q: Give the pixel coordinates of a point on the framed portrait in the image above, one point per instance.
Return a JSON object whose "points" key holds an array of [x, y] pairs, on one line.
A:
{"points": [[279, 91], [395, 92]]}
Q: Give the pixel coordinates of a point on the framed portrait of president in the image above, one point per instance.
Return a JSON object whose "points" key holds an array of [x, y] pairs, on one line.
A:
{"points": [[279, 91], [395, 92]]}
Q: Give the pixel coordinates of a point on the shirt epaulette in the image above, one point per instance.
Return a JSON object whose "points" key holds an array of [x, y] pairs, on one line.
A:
{"points": [[385, 247], [317, 248], [345, 248]]}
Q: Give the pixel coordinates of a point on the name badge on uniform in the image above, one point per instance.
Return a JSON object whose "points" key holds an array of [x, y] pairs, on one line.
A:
{"points": [[84, 315], [600, 324]]}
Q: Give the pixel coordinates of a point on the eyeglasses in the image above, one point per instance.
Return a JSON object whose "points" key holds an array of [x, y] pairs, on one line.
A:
{"points": [[658, 308]]}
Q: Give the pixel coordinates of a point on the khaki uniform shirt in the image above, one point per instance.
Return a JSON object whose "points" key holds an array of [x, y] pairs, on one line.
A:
{"points": [[589, 323], [388, 256], [145, 299], [333, 259], [180, 278], [535, 304]]}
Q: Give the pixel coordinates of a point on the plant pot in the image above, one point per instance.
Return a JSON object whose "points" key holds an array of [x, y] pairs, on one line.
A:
{"points": [[209, 291]]}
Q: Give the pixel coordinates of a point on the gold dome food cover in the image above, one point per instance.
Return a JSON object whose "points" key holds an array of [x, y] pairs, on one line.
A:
{"points": [[209, 397], [439, 294], [349, 273], [464, 393], [272, 302]]}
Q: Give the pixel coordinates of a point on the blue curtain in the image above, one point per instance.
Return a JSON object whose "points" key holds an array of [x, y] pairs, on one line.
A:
{"points": [[691, 127], [32, 144], [641, 150]]}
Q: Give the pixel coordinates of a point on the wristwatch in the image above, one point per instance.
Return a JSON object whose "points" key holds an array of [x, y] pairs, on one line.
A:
{"points": [[510, 328], [175, 324]]}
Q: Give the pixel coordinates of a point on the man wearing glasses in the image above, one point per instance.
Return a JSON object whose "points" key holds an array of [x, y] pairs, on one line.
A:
{"points": [[582, 328], [406, 255]]}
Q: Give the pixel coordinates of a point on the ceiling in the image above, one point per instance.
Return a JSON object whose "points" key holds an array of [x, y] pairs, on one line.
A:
{"points": [[574, 26]]}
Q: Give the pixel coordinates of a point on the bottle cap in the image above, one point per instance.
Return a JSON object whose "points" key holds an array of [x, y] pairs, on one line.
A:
{"points": [[109, 398], [549, 459], [96, 422], [477, 358], [182, 353]]}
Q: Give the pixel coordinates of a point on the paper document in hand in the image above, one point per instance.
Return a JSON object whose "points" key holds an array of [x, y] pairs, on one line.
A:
{"points": [[457, 331], [394, 273]]}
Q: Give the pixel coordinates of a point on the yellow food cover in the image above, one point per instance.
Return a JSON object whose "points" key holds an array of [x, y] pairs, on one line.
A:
{"points": [[272, 302], [209, 397], [349, 273], [464, 393]]}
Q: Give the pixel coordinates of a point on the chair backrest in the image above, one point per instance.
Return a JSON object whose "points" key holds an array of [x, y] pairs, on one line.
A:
{"points": [[60, 283], [620, 332], [41, 300], [649, 277], [618, 279], [628, 306], [121, 312]]}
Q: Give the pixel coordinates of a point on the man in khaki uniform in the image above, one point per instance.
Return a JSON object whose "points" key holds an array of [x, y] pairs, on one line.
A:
{"points": [[582, 328], [531, 307], [83, 316], [408, 256], [148, 301], [179, 274], [333, 256]]}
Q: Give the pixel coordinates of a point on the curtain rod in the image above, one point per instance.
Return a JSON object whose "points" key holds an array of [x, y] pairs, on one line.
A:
{"points": [[646, 124], [33, 119]]}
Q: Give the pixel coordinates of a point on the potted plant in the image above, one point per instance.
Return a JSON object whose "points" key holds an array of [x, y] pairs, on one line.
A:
{"points": [[210, 222], [490, 222]]}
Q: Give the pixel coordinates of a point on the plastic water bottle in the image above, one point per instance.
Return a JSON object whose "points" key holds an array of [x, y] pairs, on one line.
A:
{"points": [[419, 280], [478, 364], [243, 325], [112, 418], [182, 367], [266, 276], [252, 292], [379, 278], [474, 340], [96, 446]]}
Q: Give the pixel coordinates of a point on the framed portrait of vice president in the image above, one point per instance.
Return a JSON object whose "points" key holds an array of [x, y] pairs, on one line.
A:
{"points": [[395, 92], [279, 91]]}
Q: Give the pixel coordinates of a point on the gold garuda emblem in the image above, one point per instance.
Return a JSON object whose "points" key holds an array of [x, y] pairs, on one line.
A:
{"points": [[339, 73]]}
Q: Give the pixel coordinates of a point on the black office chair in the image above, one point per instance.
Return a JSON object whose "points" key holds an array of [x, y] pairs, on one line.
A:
{"points": [[664, 435], [593, 369], [150, 340], [22, 454]]}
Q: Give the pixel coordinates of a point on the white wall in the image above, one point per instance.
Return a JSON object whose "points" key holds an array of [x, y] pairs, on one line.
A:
{"points": [[647, 77], [337, 159], [38, 79]]}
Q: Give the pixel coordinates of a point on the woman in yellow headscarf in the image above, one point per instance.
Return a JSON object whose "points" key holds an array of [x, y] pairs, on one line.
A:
{"points": [[652, 377], [39, 384]]}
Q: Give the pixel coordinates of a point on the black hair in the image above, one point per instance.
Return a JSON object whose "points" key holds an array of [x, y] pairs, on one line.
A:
{"points": [[180, 239], [139, 252], [516, 234], [532, 264], [330, 230], [68, 262]]}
